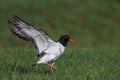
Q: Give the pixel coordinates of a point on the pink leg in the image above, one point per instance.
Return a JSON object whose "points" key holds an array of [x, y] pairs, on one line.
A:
{"points": [[51, 67]]}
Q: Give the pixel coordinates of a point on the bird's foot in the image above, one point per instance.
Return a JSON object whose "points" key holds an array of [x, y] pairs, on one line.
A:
{"points": [[53, 68]]}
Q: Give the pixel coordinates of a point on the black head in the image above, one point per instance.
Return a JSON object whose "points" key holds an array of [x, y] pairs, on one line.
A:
{"points": [[64, 39]]}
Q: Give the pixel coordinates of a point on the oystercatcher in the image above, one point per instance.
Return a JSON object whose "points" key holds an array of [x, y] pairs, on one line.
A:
{"points": [[47, 49]]}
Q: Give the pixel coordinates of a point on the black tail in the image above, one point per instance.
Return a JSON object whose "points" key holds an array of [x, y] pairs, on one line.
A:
{"points": [[34, 64]]}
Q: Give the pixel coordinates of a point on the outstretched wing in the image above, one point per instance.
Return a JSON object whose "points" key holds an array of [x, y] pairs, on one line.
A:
{"points": [[28, 32]]}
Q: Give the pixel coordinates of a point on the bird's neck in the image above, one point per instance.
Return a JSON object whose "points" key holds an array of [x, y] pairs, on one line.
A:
{"points": [[63, 43]]}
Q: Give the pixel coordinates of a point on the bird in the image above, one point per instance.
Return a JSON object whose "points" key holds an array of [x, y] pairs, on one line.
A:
{"points": [[47, 49]]}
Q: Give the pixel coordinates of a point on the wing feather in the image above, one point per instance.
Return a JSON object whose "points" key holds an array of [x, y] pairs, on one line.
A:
{"points": [[28, 32]]}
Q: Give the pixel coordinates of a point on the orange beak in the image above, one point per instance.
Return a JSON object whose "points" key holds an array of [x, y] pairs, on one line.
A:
{"points": [[72, 41]]}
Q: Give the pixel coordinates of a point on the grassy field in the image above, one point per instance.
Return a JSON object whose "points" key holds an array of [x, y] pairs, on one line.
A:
{"points": [[94, 24], [80, 64]]}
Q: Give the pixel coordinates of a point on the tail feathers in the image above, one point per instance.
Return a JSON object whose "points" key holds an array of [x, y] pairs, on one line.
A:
{"points": [[34, 64]]}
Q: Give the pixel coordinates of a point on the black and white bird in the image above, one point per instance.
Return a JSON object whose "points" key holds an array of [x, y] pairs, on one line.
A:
{"points": [[47, 49]]}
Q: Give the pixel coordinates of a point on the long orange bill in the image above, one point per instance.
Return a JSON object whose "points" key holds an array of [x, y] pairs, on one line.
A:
{"points": [[72, 41]]}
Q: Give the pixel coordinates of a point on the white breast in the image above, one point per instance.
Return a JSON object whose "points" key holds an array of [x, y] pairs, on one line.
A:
{"points": [[52, 53]]}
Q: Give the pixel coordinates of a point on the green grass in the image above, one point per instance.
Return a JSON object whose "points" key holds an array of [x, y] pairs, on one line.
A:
{"points": [[75, 64], [93, 23]]}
